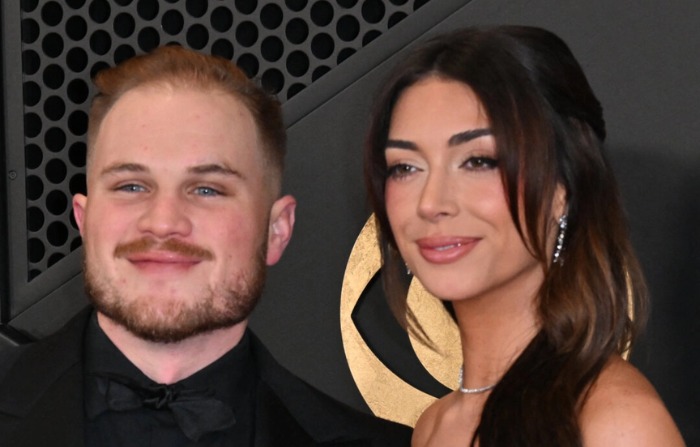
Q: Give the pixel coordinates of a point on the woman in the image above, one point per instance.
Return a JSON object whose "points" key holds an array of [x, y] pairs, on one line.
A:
{"points": [[485, 168]]}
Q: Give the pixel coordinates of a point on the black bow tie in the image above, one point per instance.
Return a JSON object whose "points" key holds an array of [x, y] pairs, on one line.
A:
{"points": [[195, 411]]}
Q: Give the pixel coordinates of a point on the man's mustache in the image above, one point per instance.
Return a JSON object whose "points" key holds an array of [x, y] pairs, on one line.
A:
{"points": [[170, 245]]}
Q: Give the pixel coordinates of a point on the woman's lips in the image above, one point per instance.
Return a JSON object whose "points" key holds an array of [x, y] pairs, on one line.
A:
{"points": [[444, 250]]}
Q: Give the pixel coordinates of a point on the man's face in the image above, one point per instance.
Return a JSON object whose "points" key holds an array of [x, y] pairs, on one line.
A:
{"points": [[181, 218]]}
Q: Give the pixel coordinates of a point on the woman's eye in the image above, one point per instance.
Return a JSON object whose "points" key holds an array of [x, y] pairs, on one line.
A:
{"points": [[400, 170], [481, 163]]}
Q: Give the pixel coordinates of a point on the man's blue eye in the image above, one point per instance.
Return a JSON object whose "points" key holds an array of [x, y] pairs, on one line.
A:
{"points": [[131, 188], [206, 191]]}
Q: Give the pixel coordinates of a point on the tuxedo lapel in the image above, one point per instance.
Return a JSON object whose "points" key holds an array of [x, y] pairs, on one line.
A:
{"points": [[274, 425], [42, 405]]}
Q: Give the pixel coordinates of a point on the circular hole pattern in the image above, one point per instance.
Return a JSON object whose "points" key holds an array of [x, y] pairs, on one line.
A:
{"points": [[77, 184], [396, 18], [297, 63], [100, 42], [30, 31], [172, 22], [148, 39], [57, 234], [100, 11], [286, 45], [76, 28], [222, 19], [29, 5], [347, 28], [322, 46], [247, 34], [32, 93], [76, 59], [56, 171], [197, 37], [52, 45], [223, 48], [51, 13], [55, 139], [373, 11], [321, 13], [249, 64], [35, 187], [196, 8], [32, 125], [246, 6], [56, 202], [77, 91], [54, 76], [147, 9], [76, 154], [273, 80], [271, 16], [272, 48], [54, 108], [124, 25], [296, 31], [35, 250], [30, 62], [33, 156], [295, 5], [35, 218]]}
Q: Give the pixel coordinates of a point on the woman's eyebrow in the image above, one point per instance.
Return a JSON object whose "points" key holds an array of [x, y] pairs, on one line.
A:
{"points": [[468, 135], [455, 140]]}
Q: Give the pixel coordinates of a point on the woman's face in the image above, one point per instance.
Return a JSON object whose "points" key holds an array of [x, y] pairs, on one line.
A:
{"points": [[445, 198]]}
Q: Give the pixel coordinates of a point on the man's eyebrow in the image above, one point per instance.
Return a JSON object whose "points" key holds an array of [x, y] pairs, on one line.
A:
{"points": [[215, 168], [117, 168], [455, 140]]}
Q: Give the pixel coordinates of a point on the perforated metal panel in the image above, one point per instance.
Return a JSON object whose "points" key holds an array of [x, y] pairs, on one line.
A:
{"points": [[285, 45]]}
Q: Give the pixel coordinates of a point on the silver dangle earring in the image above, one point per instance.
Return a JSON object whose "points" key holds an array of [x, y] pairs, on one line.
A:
{"points": [[408, 270], [563, 220]]}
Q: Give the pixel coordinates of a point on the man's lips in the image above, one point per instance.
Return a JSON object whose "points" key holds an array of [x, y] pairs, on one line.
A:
{"points": [[445, 249], [162, 257]]}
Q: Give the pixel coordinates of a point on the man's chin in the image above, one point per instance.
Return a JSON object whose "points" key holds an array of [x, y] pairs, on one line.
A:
{"points": [[169, 329]]}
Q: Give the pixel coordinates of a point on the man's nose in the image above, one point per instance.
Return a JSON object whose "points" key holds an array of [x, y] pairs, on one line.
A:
{"points": [[165, 216]]}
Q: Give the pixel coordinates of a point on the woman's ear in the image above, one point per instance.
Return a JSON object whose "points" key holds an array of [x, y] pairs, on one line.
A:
{"points": [[560, 205]]}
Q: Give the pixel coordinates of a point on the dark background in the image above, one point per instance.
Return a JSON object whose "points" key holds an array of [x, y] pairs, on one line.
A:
{"points": [[325, 59]]}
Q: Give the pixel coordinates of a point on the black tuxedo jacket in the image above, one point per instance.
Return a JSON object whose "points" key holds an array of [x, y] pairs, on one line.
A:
{"points": [[41, 401]]}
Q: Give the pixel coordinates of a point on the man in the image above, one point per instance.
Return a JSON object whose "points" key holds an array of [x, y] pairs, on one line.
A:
{"points": [[184, 214]]}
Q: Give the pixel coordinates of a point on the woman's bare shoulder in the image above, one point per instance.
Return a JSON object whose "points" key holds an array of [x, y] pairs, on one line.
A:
{"points": [[624, 409], [446, 422]]}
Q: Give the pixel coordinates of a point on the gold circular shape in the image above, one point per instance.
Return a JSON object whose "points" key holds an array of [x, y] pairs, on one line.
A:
{"points": [[387, 395]]}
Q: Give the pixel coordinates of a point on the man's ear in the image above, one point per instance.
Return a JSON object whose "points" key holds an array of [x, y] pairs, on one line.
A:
{"points": [[281, 227], [79, 204]]}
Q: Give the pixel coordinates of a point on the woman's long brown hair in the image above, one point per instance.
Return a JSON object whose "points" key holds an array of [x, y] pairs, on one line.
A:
{"points": [[549, 131]]}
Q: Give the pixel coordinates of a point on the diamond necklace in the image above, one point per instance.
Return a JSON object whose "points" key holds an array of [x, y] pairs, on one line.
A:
{"points": [[464, 390]]}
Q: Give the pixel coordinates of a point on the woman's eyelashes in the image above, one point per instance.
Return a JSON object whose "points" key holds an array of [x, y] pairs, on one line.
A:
{"points": [[480, 163], [400, 170]]}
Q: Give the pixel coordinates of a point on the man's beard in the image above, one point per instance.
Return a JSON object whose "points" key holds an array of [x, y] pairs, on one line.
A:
{"points": [[170, 322]]}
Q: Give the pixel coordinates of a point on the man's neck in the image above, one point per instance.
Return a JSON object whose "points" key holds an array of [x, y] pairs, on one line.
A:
{"points": [[168, 363]]}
